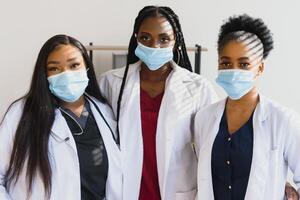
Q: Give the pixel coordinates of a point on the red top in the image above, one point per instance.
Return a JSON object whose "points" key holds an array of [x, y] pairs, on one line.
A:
{"points": [[149, 189]]}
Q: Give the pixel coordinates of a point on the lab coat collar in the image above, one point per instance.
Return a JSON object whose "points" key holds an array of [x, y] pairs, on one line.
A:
{"points": [[132, 68], [260, 109], [137, 67]]}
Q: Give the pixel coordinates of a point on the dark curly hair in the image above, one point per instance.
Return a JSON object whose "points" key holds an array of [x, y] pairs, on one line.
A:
{"points": [[246, 27]]}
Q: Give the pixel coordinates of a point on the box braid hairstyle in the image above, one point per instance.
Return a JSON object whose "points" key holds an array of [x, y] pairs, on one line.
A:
{"points": [[179, 53], [244, 27]]}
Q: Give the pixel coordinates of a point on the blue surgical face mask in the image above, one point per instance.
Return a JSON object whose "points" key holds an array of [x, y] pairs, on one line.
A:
{"points": [[236, 82], [154, 58], [68, 86]]}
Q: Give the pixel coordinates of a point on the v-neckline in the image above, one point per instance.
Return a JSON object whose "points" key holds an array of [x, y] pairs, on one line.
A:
{"points": [[224, 117], [150, 97]]}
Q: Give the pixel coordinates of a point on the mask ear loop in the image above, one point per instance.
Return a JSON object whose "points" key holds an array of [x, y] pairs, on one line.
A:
{"points": [[178, 54], [136, 37]]}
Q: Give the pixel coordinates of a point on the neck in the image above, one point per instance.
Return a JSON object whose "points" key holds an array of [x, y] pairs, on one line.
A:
{"points": [[76, 107], [248, 101], [158, 75]]}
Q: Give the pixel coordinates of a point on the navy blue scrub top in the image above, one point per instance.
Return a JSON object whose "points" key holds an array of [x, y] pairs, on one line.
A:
{"points": [[231, 160]]}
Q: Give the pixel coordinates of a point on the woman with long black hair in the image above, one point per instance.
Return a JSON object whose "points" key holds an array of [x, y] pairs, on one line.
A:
{"points": [[155, 98], [57, 142]]}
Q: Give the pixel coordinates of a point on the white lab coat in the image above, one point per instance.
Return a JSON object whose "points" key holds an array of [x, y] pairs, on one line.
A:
{"points": [[63, 158], [276, 146], [185, 93]]}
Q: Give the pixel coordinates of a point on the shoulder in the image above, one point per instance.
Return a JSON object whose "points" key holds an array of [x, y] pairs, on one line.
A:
{"points": [[105, 108], [279, 111], [118, 74], [198, 81], [199, 87], [15, 110], [210, 110], [193, 77], [9, 123]]}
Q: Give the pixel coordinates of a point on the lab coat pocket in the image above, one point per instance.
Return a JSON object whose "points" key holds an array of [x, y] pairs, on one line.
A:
{"points": [[189, 195]]}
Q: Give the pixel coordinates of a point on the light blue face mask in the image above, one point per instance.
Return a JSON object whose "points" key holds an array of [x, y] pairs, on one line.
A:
{"points": [[236, 82], [154, 58], [68, 86]]}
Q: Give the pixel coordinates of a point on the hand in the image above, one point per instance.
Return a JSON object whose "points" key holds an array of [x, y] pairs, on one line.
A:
{"points": [[290, 192]]}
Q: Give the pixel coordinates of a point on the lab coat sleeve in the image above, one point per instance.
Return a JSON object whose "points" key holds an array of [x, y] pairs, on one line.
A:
{"points": [[197, 133], [6, 142], [207, 95], [292, 147], [212, 96], [110, 87], [105, 86]]}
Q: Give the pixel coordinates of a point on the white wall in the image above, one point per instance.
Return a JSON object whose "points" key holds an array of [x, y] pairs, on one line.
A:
{"points": [[26, 25]]}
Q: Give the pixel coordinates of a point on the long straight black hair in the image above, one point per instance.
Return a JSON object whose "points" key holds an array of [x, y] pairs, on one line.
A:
{"points": [[30, 146], [180, 55]]}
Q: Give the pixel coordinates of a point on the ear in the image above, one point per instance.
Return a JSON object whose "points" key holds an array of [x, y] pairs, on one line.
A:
{"points": [[261, 68]]}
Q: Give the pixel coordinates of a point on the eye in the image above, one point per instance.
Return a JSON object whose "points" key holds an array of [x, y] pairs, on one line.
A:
{"points": [[52, 69], [225, 65], [75, 65], [165, 40], [144, 38], [244, 65]]}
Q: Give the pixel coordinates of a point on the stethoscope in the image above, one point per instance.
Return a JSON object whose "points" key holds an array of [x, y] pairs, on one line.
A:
{"points": [[98, 110]]}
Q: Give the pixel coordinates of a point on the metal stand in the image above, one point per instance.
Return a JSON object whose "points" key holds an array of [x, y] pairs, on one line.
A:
{"points": [[198, 59]]}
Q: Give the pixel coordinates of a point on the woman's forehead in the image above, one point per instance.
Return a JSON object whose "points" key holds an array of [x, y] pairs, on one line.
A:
{"points": [[158, 25], [64, 52], [239, 49]]}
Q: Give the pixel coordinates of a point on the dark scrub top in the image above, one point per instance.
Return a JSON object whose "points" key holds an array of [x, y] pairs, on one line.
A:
{"points": [[231, 161], [92, 154]]}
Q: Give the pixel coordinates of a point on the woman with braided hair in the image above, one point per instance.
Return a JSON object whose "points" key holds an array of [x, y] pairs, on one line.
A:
{"points": [[155, 97]]}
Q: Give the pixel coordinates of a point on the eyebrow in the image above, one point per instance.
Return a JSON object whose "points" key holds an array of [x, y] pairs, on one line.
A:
{"points": [[52, 62], [57, 62], [166, 34], [244, 58], [161, 34], [225, 57], [145, 33], [71, 59]]}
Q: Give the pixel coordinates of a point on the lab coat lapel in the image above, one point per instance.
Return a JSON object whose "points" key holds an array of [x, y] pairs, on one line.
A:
{"points": [[205, 187], [60, 131], [114, 179], [131, 140], [106, 134], [171, 109], [261, 154]]}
